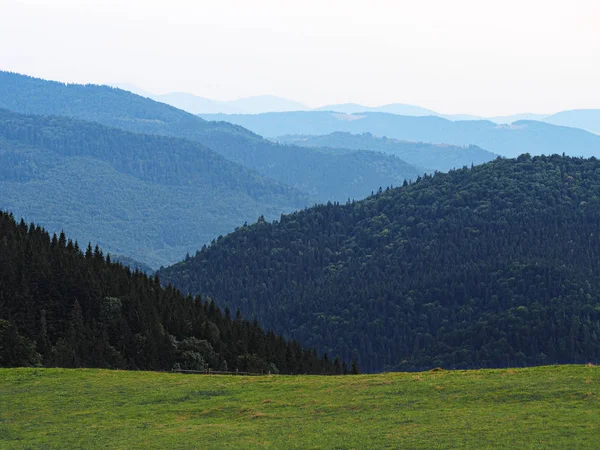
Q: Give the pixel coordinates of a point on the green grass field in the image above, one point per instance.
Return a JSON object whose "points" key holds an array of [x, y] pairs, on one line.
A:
{"points": [[543, 407]]}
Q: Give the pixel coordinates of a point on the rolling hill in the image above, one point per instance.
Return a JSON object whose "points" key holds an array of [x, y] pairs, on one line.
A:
{"points": [[439, 157], [152, 198], [512, 140], [493, 266], [325, 174]]}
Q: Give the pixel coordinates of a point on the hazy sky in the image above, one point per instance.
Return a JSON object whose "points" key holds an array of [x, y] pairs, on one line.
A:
{"points": [[454, 56]]}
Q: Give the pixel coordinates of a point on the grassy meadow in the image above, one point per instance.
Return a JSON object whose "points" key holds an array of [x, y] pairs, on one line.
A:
{"points": [[542, 407]]}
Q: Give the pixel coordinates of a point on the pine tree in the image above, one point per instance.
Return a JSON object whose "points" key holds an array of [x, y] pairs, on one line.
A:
{"points": [[354, 370]]}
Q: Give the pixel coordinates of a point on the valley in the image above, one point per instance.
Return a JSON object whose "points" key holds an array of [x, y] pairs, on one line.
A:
{"points": [[180, 272]]}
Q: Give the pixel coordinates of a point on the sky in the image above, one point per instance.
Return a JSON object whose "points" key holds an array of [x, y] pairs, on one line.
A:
{"points": [[461, 56]]}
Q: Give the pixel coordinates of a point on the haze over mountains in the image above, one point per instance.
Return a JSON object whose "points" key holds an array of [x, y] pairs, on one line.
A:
{"points": [[506, 140], [586, 119], [283, 177], [116, 198], [195, 104], [411, 110], [321, 173], [300, 192]]}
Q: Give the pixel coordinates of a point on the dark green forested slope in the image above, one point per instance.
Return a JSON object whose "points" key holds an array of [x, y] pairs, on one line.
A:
{"points": [[61, 307], [325, 175], [492, 266], [152, 198], [440, 157]]}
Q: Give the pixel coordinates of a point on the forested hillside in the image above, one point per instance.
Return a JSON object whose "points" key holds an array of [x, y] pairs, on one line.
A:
{"points": [[63, 307], [327, 174], [152, 198], [522, 136], [440, 157], [102, 104], [492, 266], [324, 174]]}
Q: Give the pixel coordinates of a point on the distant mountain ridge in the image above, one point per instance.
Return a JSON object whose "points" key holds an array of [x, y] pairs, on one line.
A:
{"points": [[586, 119], [411, 110], [195, 104], [394, 108], [441, 157], [269, 103], [506, 140]]}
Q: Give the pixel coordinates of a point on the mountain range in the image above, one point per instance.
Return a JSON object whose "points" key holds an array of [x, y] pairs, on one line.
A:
{"points": [[230, 175], [586, 119], [322, 174], [492, 264], [506, 140], [277, 178]]}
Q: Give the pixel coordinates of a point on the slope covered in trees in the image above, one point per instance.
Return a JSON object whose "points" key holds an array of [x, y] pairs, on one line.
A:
{"points": [[492, 266], [440, 157], [152, 198], [325, 175], [523, 136], [63, 307]]}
